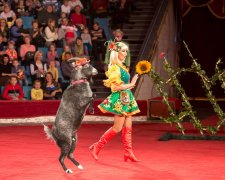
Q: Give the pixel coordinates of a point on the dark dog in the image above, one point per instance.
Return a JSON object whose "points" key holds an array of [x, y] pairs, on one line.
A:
{"points": [[74, 103]]}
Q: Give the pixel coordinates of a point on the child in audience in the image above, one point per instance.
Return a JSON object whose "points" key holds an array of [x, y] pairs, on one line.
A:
{"points": [[66, 48], [11, 52], [52, 68], [19, 72], [86, 37], [13, 91], [36, 91], [79, 47], [53, 55]]}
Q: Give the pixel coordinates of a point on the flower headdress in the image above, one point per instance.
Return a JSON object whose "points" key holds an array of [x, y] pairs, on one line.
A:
{"points": [[112, 45]]}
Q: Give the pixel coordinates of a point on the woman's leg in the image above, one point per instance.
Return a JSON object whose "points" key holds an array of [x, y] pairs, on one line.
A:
{"points": [[109, 134], [127, 140]]}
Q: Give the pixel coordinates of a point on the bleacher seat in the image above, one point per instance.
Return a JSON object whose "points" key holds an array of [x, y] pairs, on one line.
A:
{"points": [[27, 21], [44, 50], [27, 91], [104, 24]]}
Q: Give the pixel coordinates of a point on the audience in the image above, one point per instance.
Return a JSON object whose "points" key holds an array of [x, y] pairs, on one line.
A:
{"points": [[52, 69], [19, 71], [51, 34], [36, 91], [13, 91], [5, 70], [52, 54], [25, 49]]}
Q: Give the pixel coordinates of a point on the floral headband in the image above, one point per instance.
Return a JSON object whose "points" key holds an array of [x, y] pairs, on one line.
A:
{"points": [[113, 46]]}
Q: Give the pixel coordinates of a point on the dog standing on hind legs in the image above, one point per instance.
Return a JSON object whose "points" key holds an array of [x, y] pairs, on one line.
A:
{"points": [[76, 99]]}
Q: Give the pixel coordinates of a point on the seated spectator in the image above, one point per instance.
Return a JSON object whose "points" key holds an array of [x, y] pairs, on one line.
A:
{"points": [[36, 91], [78, 19], [17, 32], [99, 7], [36, 34], [5, 70], [8, 15], [33, 7], [52, 89], [51, 35], [66, 66], [62, 16], [52, 69], [4, 31], [66, 8], [25, 49], [2, 51], [38, 68], [19, 72], [11, 52], [67, 32], [86, 37], [45, 14], [79, 48], [52, 54], [98, 39], [66, 48], [53, 3], [74, 3], [18, 6], [13, 91]]}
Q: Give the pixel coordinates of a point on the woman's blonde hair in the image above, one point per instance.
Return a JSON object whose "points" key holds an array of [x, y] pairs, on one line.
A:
{"points": [[113, 59], [37, 54]]}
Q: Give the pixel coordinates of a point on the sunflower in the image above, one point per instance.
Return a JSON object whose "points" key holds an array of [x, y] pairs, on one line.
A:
{"points": [[143, 67]]}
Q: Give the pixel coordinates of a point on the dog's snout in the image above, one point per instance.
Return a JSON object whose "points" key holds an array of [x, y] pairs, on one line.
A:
{"points": [[94, 72]]}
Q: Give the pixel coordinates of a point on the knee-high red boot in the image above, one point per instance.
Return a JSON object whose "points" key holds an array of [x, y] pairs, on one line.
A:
{"points": [[127, 142], [96, 147]]}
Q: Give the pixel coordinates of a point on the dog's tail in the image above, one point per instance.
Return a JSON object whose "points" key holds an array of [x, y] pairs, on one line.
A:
{"points": [[48, 132]]}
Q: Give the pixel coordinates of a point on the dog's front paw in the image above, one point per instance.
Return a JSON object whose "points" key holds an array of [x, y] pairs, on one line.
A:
{"points": [[69, 171], [80, 167]]}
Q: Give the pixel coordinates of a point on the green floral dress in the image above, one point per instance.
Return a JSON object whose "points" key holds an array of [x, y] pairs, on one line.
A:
{"points": [[120, 102]]}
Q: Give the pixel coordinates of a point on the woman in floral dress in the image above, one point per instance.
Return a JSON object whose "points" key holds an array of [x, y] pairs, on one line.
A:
{"points": [[121, 102]]}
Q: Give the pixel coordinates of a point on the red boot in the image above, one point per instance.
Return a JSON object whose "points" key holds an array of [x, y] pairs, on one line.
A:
{"points": [[127, 142], [96, 147]]}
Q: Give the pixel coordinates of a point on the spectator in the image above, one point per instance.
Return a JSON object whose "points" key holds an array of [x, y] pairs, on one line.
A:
{"points": [[2, 51], [38, 68], [78, 19], [98, 39], [52, 89], [52, 54], [5, 70], [45, 14], [79, 48], [52, 68], [8, 15], [19, 8], [13, 91], [86, 37], [33, 7], [74, 3], [66, 48], [66, 8], [36, 34], [118, 36], [17, 32], [53, 3], [25, 49], [11, 52], [99, 8], [4, 31], [66, 66], [51, 34], [19, 72], [62, 16], [36, 91]]}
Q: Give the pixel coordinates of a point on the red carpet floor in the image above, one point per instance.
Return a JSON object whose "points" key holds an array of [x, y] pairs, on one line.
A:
{"points": [[26, 154]]}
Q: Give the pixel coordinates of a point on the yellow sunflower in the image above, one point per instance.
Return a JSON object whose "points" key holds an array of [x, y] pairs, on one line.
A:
{"points": [[143, 67]]}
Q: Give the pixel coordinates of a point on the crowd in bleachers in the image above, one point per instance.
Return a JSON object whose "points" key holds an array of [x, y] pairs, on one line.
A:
{"points": [[38, 37]]}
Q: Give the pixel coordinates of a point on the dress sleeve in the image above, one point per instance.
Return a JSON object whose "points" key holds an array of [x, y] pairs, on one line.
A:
{"points": [[114, 77]]}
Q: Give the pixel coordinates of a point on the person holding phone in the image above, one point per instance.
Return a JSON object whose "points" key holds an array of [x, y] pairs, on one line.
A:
{"points": [[121, 102]]}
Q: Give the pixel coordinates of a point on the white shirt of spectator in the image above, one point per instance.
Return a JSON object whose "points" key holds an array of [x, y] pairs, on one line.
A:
{"points": [[7, 15], [77, 2], [66, 9]]}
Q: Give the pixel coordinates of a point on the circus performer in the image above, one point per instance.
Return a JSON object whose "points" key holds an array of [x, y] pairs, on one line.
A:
{"points": [[121, 102]]}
